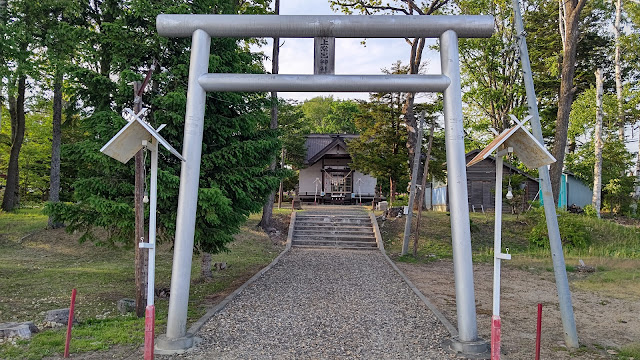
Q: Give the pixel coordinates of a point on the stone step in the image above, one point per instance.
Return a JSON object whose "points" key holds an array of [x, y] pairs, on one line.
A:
{"points": [[358, 214], [341, 237], [331, 232], [313, 232], [331, 226], [334, 244], [334, 222], [337, 225], [359, 248], [334, 215], [371, 242], [342, 230], [366, 222]]}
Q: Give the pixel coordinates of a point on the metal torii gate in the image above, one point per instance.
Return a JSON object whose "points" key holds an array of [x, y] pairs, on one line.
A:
{"points": [[202, 27]]}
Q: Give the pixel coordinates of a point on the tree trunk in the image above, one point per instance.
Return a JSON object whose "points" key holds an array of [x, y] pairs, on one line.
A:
{"points": [[26, 170], [561, 23], [392, 192], [618, 72], [56, 139], [267, 209], [412, 129], [423, 188], [16, 111], [571, 145], [567, 90], [597, 170], [417, 46], [205, 269]]}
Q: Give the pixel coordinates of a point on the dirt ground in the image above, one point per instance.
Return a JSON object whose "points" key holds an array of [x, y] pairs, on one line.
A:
{"points": [[603, 322]]}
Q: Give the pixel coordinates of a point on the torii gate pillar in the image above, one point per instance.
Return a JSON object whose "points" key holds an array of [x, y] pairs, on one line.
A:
{"points": [[177, 337], [457, 184]]}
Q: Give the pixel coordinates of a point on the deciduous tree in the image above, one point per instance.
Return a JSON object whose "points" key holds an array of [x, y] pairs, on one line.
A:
{"points": [[598, 144], [490, 69], [417, 45], [571, 10], [380, 151], [16, 22]]}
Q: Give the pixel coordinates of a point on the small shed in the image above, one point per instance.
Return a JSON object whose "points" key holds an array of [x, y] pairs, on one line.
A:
{"points": [[481, 182], [576, 191], [573, 191]]}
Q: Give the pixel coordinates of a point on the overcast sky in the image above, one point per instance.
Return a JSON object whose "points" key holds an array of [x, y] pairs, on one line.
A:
{"points": [[296, 55]]}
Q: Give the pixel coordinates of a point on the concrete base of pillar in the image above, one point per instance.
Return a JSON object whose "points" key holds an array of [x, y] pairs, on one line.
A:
{"points": [[478, 349], [170, 346]]}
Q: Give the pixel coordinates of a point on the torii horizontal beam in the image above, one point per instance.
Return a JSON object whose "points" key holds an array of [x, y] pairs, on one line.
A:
{"points": [[337, 83], [339, 26]]}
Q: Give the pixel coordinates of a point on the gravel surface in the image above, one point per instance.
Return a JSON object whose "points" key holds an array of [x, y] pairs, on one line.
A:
{"points": [[324, 304]]}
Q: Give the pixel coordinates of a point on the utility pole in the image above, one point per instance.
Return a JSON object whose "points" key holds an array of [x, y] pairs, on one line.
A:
{"points": [[414, 180], [141, 256], [559, 269]]}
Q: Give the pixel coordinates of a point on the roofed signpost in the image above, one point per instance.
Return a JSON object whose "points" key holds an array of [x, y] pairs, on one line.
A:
{"points": [[134, 136], [202, 27], [533, 155]]}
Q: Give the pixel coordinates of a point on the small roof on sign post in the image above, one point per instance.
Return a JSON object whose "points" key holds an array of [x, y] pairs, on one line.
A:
{"points": [[128, 141], [532, 154]]}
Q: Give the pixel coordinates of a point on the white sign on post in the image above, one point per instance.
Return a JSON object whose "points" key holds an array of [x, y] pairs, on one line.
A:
{"points": [[138, 134]]}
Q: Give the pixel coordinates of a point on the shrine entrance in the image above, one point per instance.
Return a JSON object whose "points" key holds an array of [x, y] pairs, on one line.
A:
{"points": [[324, 29]]}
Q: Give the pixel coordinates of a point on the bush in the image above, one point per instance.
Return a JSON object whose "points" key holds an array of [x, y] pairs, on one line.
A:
{"points": [[590, 211], [572, 230], [401, 200]]}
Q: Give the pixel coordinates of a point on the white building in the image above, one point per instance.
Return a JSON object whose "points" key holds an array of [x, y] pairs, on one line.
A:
{"points": [[328, 177]]}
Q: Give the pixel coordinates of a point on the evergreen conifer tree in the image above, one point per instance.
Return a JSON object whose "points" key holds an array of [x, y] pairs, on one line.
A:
{"points": [[237, 145]]}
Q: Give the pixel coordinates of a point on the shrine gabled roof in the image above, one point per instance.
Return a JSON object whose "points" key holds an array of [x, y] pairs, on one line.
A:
{"points": [[320, 144]]}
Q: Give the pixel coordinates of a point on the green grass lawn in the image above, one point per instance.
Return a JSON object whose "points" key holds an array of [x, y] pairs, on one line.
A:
{"points": [[612, 248], [39, 268]]}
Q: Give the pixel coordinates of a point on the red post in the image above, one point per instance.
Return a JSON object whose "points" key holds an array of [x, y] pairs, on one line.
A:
{"points": [[149, 331], [539, 332], [70, 323], [495, 337]]}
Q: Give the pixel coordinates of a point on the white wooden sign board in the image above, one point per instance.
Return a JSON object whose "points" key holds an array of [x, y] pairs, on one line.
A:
{"points": [[128, 141], [532, 154]]}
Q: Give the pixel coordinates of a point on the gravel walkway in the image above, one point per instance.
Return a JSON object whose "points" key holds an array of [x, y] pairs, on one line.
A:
{"points": [[324, 304]]}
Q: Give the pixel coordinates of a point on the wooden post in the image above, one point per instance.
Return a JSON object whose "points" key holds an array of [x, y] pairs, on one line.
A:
{"points": [[140, 254], [70, 323]]}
